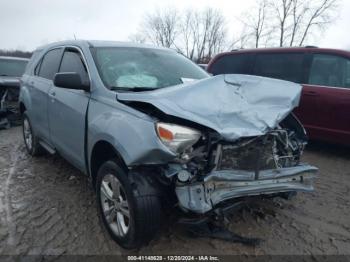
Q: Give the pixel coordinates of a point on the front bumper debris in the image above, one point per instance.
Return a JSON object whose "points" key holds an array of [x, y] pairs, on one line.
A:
{"points": [[218, 186]]}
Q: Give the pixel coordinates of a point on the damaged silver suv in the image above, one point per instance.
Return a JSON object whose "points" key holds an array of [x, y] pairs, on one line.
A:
{"points": [[152, 129]]}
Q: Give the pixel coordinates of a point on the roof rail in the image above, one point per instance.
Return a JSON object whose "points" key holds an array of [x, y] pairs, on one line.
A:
{"points": [[311, 46], [237, 49]]}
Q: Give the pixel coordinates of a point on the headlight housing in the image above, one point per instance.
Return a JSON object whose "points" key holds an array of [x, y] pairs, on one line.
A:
{"points": [[177, 138]]}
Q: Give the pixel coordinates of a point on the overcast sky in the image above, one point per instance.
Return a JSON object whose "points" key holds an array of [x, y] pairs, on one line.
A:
{"points": [[26, 24]]}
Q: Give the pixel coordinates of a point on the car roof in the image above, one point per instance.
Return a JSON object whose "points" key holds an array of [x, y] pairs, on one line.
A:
{"points": [[311, 49], [286, 50], [14, 58], [101, 43]]}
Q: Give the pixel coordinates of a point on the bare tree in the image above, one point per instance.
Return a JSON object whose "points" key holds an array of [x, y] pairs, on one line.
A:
{"points": [[189, 28], [298, 12], [319, 15], [288, 22], [282, 11], [256, 22], [241, 37], [216, 31], [296, 19], [212, 33], [161, 27], [198, 34], [203, 33]]}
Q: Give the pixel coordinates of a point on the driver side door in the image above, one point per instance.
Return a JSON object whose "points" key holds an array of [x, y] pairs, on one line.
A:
{"points": [[67, 111]]}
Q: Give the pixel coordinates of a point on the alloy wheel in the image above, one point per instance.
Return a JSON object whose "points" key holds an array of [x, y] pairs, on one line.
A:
{"points": [[115, 205], [28, 136]]}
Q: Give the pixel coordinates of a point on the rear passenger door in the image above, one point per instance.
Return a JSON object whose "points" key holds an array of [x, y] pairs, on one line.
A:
{"points": [[39, 86], [329, 82], [67, 111]]}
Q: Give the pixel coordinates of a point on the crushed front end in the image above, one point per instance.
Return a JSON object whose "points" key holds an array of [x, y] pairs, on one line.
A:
{"points": [[231, 136], [217, 170]]}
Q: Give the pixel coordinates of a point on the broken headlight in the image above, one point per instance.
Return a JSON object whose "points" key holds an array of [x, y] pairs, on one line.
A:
{"points": [[177, 138]]}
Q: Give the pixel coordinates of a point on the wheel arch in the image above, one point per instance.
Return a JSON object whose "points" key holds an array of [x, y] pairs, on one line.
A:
{"points": [[22, 108], [24, 99], [101, 152]]}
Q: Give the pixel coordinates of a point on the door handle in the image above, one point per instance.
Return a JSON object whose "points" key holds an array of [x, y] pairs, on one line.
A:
{"points": [[311, 93], [52, 96]]}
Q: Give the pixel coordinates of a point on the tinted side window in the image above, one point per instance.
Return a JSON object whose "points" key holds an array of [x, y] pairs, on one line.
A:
{"points": [[50, 63], [281, 66], [233, 64], [73, 62], [330, 70]]}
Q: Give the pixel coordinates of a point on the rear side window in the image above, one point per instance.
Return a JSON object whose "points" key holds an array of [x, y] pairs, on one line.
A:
{"points": [[281, 66], [232, 64], [73, 62], [50, 63], [330, 70]]}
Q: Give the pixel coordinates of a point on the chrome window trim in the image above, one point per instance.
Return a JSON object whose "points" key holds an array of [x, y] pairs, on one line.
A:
{"points": [[332, 87], [82, 55]]}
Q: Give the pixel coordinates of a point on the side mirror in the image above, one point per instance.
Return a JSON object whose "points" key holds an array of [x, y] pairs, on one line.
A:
{"points": [[70, 80]]}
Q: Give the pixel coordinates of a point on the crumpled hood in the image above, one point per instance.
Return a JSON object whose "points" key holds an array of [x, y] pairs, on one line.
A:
{"points": [[233, 105]]}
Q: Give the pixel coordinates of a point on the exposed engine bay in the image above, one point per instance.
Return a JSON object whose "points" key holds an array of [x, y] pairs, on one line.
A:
{"points": [[278, 148]]}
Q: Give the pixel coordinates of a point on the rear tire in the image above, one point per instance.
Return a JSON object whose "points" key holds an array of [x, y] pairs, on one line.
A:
{"points": [[30, 140], [135, 218]]}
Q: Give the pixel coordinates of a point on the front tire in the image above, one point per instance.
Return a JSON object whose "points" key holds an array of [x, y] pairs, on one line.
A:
{"points": [[131, 219], [30, 140]]}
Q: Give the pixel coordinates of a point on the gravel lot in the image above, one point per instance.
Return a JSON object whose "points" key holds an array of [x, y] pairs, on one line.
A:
{"points": [[47, 207]]}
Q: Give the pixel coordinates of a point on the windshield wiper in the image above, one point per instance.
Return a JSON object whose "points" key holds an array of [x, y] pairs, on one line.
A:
{"points": [[4, 75], [132, 89]]}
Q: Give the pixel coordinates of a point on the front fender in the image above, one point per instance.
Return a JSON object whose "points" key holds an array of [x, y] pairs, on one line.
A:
{"points": [[133, 137]]}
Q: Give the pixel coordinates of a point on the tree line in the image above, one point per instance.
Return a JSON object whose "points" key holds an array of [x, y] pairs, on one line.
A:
{"points": [[200, 34], [16, 53]]}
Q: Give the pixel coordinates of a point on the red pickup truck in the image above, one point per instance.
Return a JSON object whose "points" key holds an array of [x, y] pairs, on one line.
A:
{"points": [[324, 108]]}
